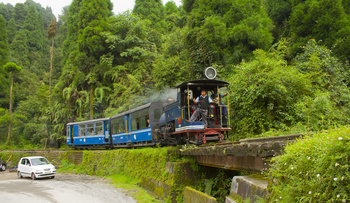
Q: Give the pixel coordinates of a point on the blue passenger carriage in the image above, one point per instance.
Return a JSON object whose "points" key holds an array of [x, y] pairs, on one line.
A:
{"points": [[136, 127], [132, 128], [89, 134]]}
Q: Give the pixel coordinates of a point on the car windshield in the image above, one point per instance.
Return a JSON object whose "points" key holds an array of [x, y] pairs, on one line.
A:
{"points": [[39, 161]]}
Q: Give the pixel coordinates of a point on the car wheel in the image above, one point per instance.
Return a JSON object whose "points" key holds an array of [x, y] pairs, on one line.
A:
{"points": [[52, 177], [3, 167], [19, 174], [33, 176]]}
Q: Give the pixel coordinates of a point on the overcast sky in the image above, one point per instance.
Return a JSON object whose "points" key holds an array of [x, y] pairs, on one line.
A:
{"points": [[119, 6]]}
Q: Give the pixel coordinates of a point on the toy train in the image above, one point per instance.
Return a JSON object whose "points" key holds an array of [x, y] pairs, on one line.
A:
{"points": [[165, 123]]}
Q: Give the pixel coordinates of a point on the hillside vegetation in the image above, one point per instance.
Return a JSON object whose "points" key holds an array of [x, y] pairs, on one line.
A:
{"points": [[287, 62]]}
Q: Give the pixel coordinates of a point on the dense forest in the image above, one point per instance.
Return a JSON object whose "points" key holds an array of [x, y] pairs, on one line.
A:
{"points": [[287, 62]]}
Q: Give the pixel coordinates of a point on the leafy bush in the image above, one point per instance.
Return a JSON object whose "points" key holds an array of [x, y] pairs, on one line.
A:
{"points": [[264, 92], [313, 169], [268, 94]]}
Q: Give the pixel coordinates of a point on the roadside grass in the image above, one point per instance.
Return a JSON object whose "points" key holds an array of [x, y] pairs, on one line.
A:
{"points": [[130, 187], [66, 167]]}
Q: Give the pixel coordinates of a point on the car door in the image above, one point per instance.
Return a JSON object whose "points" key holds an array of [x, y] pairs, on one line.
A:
{"points": [[25, 167]]}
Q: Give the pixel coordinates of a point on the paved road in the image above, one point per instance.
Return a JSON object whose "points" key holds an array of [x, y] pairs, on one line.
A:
{"points": [[64, 188]]}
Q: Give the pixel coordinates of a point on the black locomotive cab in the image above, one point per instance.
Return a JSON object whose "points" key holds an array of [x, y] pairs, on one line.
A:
{"points": [[216, 90], [186, 124]]}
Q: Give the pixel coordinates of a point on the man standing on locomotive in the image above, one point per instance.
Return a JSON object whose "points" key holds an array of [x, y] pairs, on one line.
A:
{"points": [[203, 102]]}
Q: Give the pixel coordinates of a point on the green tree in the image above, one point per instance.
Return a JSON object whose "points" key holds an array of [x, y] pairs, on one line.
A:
{"points": [[170, 8], [324, 21], [4, 50], [12, 69], [92, 22], [34, 30], [173, 17], [19, 14], [51, 31], [6, 10], [152, 10], [11, 30], [132, 53], [70, 43], [172, 66], [34, 108], [4, 53], [225, 32], [46, 13], [346, 5], [19, 49], [279, 11], [93, 16]]}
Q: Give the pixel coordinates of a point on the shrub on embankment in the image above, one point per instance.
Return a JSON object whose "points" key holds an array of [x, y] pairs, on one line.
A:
{"points": [[313, 169]]}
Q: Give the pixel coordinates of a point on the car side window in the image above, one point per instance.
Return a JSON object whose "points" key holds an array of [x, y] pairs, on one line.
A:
{"points": [[23, 161], [28, 163]]}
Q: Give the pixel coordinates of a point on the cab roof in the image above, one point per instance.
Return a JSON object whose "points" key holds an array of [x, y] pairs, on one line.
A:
{"points": [[203, 83]]}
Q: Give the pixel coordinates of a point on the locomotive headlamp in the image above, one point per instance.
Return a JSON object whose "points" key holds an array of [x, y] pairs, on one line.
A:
{"points": [[210, 73]]}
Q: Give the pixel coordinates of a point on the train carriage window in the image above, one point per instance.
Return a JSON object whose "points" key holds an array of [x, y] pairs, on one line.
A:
{"points": [[121, 126], [143, 122], [114, 126], [90, 129], [118, 125], [98, 128], [135, 124], [81, 130], [139, 119]]}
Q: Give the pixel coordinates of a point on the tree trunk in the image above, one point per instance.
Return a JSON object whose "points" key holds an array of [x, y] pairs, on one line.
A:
{"points": [[50, 84], [51, 61], [9, 133], [10, 112], [92, 101]]}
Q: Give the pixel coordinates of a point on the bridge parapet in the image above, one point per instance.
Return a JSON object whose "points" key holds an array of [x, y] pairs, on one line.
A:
{"points": [[251, 155]]}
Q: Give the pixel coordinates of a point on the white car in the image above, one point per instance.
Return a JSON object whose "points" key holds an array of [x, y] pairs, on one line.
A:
{"points": [[35, 167]]}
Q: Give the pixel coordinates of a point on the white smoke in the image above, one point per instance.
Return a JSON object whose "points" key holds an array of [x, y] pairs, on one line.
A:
{"points": [[168, 94]]}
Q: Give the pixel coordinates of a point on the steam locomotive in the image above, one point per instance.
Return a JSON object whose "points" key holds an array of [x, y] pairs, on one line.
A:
{"points": [[164, 122]]}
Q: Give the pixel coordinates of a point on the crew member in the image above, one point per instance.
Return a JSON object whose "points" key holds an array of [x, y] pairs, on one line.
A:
{"points": [[203, 102]]}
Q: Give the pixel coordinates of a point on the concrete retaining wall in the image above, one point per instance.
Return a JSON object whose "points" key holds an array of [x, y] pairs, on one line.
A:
{"points": [[194, 196], [247, 187]]}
